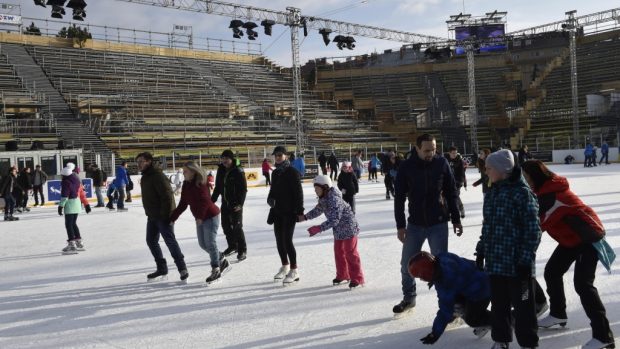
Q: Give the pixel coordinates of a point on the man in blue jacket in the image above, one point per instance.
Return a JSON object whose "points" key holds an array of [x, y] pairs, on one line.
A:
{"points": [[120, 183], [425, 179], [458, 282]]}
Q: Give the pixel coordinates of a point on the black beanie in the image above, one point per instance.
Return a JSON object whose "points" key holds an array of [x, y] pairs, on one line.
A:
{"points": [[228, 154]]}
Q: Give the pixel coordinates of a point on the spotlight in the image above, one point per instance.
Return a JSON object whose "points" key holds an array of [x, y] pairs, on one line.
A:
{"points": [[339, 40], [249, 29], [235, 24], [325, 33], [267, 24], [39, 2], [78, 9], [346, 41], [305, 25], [57, 8]]}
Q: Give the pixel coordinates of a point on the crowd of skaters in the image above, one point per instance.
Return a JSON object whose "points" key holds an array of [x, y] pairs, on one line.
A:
{"points": [[521, 196]]}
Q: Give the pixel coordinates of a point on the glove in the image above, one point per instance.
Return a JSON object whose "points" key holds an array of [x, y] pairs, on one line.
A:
{"points": [[429, 339], [343, 191], [480, 261], [60, 210], [524, 272], [87, 208], [314, 230], [271, 202]]}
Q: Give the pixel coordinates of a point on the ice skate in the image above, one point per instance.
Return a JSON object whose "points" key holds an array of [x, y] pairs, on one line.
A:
{"points": [[224, 266], [70, 249], [184, 275], [337, 282], [281, 273], [241, 256], [291, 278], [354, 285], [456, 322], [122, 209], [541, 309], [229, 252], [79, 246], [551, 322], [158, 275], [403, 308], [215, 276], [500, 345], [597, 344], [481, 331]]}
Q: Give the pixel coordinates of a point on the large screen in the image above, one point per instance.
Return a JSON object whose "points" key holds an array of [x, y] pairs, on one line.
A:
{"points": [[481, 32]]}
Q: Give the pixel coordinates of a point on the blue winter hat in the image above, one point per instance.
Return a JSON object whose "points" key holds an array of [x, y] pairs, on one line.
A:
{"points": [[502, 160]]}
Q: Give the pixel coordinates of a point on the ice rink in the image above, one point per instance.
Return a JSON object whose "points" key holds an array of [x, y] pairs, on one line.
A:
{"points": [[100, 297]]}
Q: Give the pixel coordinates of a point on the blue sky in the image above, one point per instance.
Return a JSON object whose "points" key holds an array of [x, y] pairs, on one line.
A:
{"points": [[418, 16]]}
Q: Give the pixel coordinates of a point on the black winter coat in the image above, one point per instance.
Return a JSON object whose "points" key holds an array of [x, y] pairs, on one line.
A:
{"points": [[232, 186], [348, 185], [157, 197], [458, 169], [333, 162], [97, 176], [286, 194], [7, 182], [431, 190]]}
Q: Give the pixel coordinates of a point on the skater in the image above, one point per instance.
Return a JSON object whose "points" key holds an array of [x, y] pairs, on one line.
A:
{"points": [[120, 183], [390, 169], [299, 164], [461, 288], [455, 160], [432, 203], [357, 164], [286, 199], [481, 165], [71, 206], [8, 185], [233, 188], [39, 178], [333, 166], [587, 153], [323, 163], [373, 164], [111, 194], [580, 234], [177, 181], [266, 166], [195, 193], [348, 185], [507, 250], [21, 196], [158, 202], [99, 178], [524, 155], [129, 187], [604, 153], [341, 219], [211, 182]]}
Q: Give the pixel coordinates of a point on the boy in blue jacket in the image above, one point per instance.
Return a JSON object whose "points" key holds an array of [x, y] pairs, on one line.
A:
{"points": [[459, 284]]}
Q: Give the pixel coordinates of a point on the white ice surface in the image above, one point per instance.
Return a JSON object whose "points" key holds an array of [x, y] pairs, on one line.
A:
{"points": [[99, 298]]}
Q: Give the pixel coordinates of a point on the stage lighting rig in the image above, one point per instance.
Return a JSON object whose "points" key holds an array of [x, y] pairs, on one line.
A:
{"points": [[249, 29], [325, 33], [78, 9], [268, 24], [235, 24]]}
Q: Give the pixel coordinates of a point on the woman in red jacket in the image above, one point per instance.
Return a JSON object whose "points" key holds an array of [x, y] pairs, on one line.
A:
{"points": [[195, 193], [577, 229]]}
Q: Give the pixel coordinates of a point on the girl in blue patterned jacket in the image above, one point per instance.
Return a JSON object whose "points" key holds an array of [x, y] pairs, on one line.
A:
{"points": [[507, 249], [341, 219]]}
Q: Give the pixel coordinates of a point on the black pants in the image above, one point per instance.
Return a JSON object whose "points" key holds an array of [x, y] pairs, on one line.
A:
{"points": [[333, 175], [510, 292], [389, 185], [155, 228], [73, 232], [606, 157], [586, 259], [9, 204], [459, 202], [324, 169], [267, 178], [284, 228], [476, 313], [372, 173], [232, 224], [350, 199], [38, 190], [19, 198]]}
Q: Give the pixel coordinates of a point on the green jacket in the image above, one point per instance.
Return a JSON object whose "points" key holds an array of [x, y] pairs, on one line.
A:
{"points": [[157, 196]]}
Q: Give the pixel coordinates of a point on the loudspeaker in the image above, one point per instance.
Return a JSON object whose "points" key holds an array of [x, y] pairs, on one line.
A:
{"points": [[10, 146], [36, 145], [61, 144]]}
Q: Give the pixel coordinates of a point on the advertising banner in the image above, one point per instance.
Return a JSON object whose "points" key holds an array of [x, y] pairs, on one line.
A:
{"points": [[10, 19]]}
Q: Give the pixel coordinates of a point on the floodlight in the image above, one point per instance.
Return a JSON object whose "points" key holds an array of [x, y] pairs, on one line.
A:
{"points": [[349, 42], [340, 41], [78, 9], [39, 2], [235, 24], [57, 8], [268, 24], [325, 33], [249, 29]]}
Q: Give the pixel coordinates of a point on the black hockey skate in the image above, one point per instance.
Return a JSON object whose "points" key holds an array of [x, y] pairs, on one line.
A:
{"points": [[403, 308], [159, 275]]}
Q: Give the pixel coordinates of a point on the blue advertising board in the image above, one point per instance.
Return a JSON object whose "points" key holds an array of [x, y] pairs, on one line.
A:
{"points": [[53, 189]]}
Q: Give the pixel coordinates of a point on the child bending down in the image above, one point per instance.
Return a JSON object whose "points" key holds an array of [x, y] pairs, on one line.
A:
{"points": [[341, 219]]}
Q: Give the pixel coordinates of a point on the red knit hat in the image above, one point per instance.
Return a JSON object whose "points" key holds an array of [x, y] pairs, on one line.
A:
{"points": [[422, 266]]}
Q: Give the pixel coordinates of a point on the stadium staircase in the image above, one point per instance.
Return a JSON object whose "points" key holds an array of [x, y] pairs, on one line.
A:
{"points": [[74, 133]]}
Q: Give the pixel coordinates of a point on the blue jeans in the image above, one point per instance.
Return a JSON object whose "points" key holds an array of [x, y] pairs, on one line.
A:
{"points": [[156, 228], [99, 196], [207, 233], [437, 236]]}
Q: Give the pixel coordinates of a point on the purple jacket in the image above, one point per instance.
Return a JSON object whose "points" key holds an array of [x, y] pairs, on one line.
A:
{"points": [[69, 187], [340, 218]]}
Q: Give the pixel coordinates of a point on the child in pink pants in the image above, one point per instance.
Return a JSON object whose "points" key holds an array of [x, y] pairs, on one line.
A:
{"points": [[341, 219]]}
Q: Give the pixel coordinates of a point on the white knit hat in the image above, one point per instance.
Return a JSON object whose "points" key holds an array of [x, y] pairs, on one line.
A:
{"points": [[502, 160], [322, 180], [67, 170], [71, 165]]}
